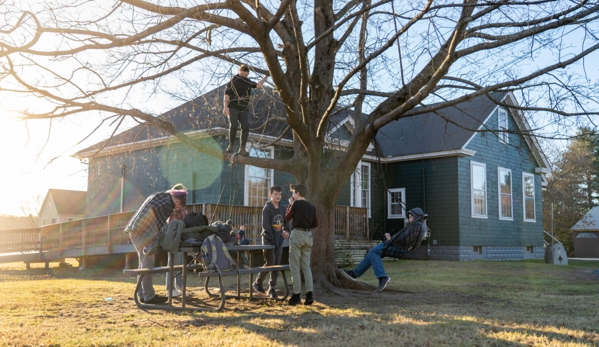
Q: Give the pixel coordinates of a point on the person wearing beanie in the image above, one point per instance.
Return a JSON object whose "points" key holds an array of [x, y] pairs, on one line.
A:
{"points": [[144, 227], [236, 103]]}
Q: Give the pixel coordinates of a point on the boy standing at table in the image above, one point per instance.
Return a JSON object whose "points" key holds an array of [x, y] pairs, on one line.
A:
{"points": [[273, 233], [300, 242]]}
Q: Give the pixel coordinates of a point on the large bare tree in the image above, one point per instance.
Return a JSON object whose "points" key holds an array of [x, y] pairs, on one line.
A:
{"points": [[385, 59]]}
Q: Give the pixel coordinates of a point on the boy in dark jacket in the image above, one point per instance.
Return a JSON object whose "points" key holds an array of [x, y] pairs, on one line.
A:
{"points": [[273, 233], [394, 247], [236, 103]]}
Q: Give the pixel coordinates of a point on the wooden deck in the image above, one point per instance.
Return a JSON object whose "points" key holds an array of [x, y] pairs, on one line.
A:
{"points": [[104, 235]]}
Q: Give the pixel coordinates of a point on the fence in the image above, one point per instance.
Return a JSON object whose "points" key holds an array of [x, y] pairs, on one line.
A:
{"points": [[107, 231]]}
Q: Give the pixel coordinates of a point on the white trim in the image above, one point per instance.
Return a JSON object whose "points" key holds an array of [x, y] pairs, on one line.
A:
{"points": [[534, 199], [499, 193], [503, 134], [402, 215], [430, 155], [245, 177], [480, 127], [473, 215], [356, 200]]}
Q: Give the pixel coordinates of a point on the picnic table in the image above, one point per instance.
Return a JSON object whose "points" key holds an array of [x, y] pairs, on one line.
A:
{"points": [[248, 250]]}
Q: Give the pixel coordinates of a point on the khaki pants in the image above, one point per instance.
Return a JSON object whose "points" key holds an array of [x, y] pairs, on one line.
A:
{"points": [[300, 248]]}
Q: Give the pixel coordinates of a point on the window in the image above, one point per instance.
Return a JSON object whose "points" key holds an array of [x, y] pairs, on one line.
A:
{"points": [[504, 179], [477, 249], [360, 186], [528, 190], [478, 178], [53, 221], [44, 221], [396, 199], [503, 126], [258, 180], [70, 219]]}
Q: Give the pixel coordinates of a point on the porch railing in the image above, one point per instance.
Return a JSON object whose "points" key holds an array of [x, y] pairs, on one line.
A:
{"points": [[107, 231]]}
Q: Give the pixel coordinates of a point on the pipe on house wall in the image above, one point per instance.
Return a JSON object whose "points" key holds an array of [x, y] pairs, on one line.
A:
{"points": [[123, 167]]}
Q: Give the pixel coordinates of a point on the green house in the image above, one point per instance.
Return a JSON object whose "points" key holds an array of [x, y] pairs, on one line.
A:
{"points": [[470, 167]]}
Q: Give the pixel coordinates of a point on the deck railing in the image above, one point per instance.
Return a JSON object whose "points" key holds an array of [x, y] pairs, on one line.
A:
{"points": [[107, 231]]}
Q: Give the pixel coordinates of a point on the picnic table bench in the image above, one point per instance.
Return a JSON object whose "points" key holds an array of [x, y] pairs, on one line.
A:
{"points": [[184, 269]]}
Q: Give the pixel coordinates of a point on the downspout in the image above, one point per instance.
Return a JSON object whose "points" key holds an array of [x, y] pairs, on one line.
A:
{"points": [[122, 186]]}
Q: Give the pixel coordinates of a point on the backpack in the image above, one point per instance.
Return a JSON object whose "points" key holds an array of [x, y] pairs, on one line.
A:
{"points": [[194, 219], [215, 256], [225, 231]]}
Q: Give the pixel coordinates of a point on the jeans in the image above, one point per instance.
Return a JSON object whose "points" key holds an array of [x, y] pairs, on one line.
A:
{"points": [[145, 262], [374, 259], [238, 117], [271, 257], [300, 248]]}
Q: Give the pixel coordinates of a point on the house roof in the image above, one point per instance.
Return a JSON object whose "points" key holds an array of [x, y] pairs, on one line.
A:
{"points": [[438, 131], [589, 222], [202, 114], [68, 201], [444, 132]]}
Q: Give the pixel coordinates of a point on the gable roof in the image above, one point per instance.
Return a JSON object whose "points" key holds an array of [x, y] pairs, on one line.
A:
{"points": [[589, 222], [204, 114], [68, 201], [438, 133]]}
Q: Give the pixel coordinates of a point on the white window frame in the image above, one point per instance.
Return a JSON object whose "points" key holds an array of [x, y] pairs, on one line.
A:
{"points": [[500, 194], [70, 219], [502, 117], [524, 197], [356, 180], [53, 220], [402, 215], [44, 221], [484, 166], [246, 197]]}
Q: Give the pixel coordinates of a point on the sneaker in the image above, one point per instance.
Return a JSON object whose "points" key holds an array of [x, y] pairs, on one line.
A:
{"points": [[258, 287], [383, 283], [295, 299], [309, 299], [243, 152], [272, 293], [176, 293], [230, 148], [350, 273], [157, 300]]}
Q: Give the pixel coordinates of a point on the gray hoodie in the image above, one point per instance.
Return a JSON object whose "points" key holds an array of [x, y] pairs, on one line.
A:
{"points": [[273, 223]]}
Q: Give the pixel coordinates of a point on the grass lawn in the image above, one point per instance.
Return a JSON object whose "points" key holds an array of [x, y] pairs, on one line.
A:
{"points": [[427, 303]]}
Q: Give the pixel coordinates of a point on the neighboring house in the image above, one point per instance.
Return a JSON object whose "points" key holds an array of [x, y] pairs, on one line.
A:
{"points": [[585, 235], [62, 206], [480, 181]]}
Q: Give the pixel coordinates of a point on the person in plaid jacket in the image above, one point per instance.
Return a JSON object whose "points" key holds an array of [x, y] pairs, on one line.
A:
{"points": [[144, 227]]}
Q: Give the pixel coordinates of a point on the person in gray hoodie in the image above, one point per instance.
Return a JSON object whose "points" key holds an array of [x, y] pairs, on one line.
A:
{"points": [[274, 230], [394, 247]]}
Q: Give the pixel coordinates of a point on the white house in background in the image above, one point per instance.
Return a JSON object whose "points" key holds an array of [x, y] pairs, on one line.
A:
{"points": [[585, 234], [62, 206]]}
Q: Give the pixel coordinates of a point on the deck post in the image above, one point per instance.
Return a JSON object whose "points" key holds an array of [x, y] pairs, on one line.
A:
{"points": [[347, 222]]}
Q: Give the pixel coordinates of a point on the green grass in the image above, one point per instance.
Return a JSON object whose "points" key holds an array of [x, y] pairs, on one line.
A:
{"points": [[429, 303]]}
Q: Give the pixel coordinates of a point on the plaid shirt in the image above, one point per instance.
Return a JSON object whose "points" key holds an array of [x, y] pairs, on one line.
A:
{"points": [[152, 215]]}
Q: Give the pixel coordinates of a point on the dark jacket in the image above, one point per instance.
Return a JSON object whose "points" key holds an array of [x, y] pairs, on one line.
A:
{"points": [[273, 224], [239, 90], [410, 238]]}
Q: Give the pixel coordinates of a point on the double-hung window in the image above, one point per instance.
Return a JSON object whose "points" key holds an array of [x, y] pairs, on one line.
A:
{"points": [[360, 186], [478, 184], [503, 126], [528, 192], [396, 198], [258, 180], [504, 178]]}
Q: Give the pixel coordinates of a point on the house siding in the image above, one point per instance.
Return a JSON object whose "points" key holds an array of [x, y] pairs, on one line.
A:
{"points": [[426, 183], [208, 179], [502, 239]]}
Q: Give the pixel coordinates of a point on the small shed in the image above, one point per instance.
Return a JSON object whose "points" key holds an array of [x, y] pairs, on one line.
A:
{"points": [[585, 234]]}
